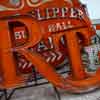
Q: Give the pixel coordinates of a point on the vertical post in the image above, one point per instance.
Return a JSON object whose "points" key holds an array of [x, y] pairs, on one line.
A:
{"points": [[78, 71], [8, 65], [58, 96]]}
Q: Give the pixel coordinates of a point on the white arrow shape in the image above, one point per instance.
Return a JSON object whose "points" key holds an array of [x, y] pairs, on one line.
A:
{"points": [[48, 59], [54, 56], [29, 65], [22, 63], [25, 65], [19, 64], [59, 55]]}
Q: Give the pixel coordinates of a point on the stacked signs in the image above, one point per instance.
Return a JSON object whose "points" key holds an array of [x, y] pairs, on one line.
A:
{"points": [[93, 51]]}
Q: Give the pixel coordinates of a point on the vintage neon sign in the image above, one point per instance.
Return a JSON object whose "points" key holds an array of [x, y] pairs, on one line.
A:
{"points": [[79, 80]]}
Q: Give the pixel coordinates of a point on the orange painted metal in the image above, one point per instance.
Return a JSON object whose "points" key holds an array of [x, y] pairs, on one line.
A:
{"points": [[39, 21], [10, 75], [98, 26], [7, 62]]}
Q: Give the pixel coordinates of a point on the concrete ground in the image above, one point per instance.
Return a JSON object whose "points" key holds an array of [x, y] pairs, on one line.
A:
{"points": [[46, 92]]}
